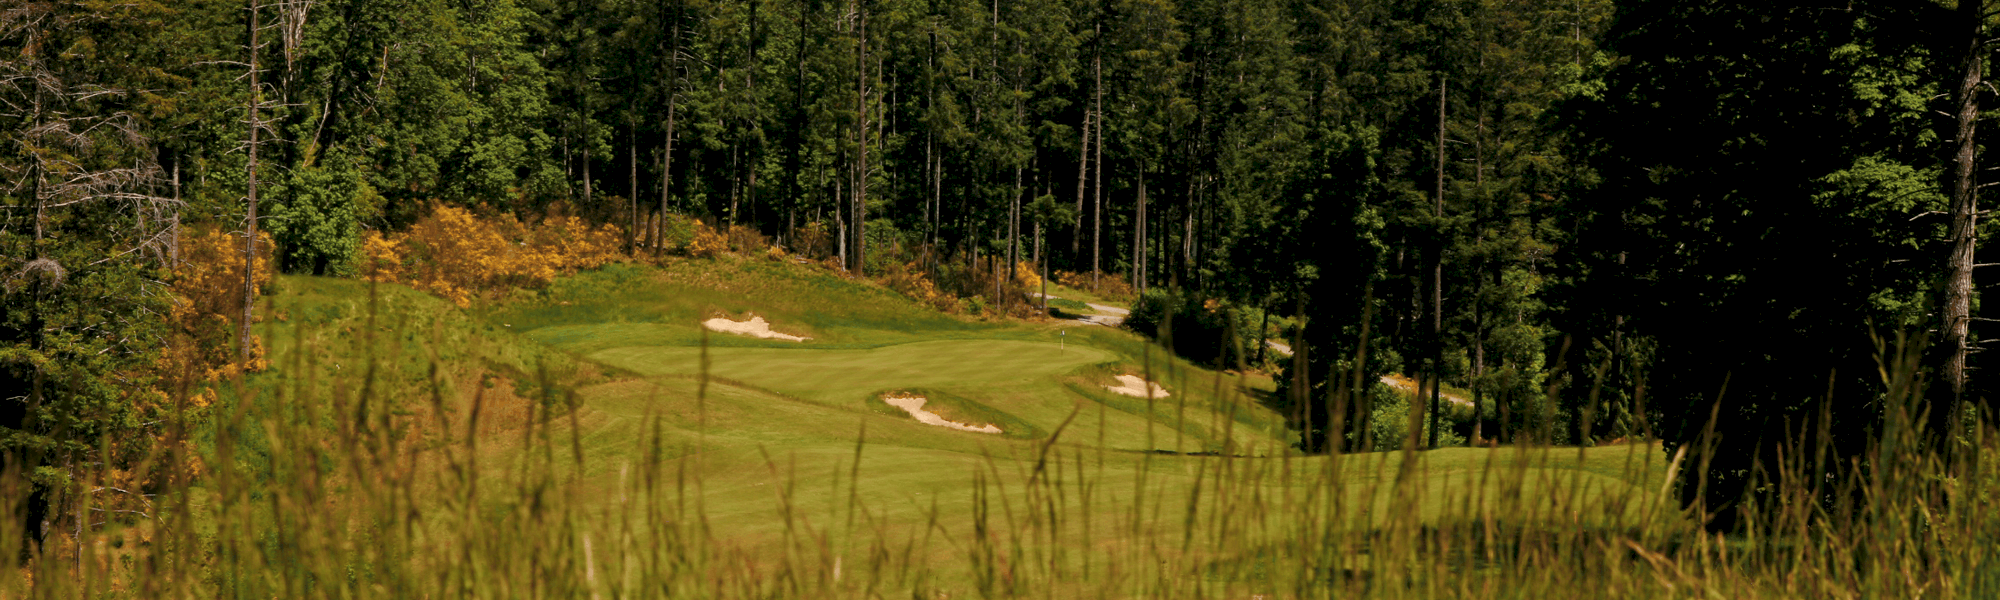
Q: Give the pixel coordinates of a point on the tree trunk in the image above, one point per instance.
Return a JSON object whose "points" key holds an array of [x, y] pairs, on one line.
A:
{"points": [[1097, 202], [1478, 372], [673, 111], [174, 246], [1139, 238], [250, 215], [735, 180], [1437, 279], [1263, 328], [795, 163], [937, 202], [1014, 226], [756, 141], [1044, 265], [1964, 230], [857, 259], [632, 141], [1082, 177]]}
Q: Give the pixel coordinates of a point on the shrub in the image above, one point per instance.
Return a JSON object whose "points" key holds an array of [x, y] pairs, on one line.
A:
{"points": [[316, 217], [909, 280], [1199, 329], [208, 303], [1110, 286], [457, 255], [973, 305], [1026, 275], [813, 241], [1389, 421], [888, 245], [677, 233], [746, 240]]}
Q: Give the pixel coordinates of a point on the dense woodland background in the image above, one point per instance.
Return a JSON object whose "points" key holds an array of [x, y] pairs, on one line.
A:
{"points": [[1605, 219]]}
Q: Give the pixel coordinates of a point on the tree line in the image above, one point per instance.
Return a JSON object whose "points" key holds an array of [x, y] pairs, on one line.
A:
{"points": [[1603, 219]]}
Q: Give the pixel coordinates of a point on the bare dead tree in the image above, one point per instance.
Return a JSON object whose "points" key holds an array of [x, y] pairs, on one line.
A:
{"points": [[78, 183], [250, 212], [64, 140]]}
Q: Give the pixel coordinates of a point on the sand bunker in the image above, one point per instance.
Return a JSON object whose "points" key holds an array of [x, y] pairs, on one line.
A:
{"points": [[915, 406], [1135, 387], [756, 326]]}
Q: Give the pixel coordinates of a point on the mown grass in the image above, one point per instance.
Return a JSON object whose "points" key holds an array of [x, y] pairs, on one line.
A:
{"points": [[652, 465]]}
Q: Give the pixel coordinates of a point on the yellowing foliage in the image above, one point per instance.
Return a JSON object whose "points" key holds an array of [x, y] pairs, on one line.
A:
{"points": [[208, 302], [707, 241], [458, 255], [910, 281], [1111, 286], [1024, 274]]}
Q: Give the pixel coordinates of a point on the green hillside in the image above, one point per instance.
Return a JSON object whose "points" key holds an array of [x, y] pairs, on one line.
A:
{"points": [[596, 390]]}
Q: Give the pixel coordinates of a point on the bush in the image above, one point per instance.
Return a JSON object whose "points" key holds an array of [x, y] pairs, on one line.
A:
{"points": [[208, 301], [1389, 420], [886, 245], [707, 242], [973, 305], [909, 280], [677, 233], [813, 241], [1203, 330], [457, 255], [316, 218], [1110, 286], [746, 240], [1025, 275]]}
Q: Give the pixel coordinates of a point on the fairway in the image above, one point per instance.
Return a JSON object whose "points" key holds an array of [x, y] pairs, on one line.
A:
{"points": [[1023, 380], [835, 375]]}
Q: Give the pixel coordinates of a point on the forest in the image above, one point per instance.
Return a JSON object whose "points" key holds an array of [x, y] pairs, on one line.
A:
{"points": [[1721, 226]]}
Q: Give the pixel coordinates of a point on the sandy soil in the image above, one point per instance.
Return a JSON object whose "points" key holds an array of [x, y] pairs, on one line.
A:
{"points": [[1135, 387], [756, 327], [915, 406]]}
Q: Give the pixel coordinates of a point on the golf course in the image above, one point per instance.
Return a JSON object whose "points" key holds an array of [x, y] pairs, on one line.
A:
{"points": [[602, 417]]}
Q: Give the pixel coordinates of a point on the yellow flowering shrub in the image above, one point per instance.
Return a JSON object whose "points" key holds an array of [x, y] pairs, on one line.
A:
{"points": [[1025, 274], [707, 241], [1111, 286], [207, 285], [458, 255], [909, 280]]}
